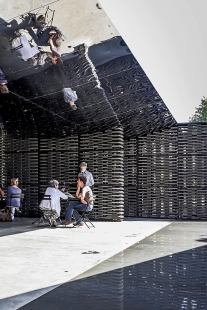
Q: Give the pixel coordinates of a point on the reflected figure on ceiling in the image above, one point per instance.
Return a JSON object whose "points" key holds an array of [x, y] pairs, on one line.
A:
{"points": [[3, 83], [26, 51], [45, 36], [31, 54], [29, 20], [34, 28], [51, 36], [69, 95]]}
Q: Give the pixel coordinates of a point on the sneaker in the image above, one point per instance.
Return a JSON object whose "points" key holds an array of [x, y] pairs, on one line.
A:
{"points": [[79, 224], [67, 222]]}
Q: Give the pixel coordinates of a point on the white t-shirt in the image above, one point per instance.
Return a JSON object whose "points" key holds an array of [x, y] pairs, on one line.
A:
{"points": [[87, 189], [55, 199], [26, 51]]}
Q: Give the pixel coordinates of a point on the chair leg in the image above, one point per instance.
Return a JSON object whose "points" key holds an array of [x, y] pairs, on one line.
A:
{"points": [[85, 222], [41, 220], [89, 221]]}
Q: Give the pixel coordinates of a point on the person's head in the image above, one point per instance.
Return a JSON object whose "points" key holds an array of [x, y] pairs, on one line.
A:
{"points": [[4, 88], [32, 61], [81, 182], [56, 61], [14, 182], [83, 166], [57, 39], [54, 183]]}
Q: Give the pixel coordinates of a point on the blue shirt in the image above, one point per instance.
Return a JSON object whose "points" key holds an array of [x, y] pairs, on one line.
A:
{"points": [[89, 177], [2, 77], [14, 202]]}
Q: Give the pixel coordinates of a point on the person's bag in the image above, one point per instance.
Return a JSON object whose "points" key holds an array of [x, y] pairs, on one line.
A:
{"points": [[6, 216]]}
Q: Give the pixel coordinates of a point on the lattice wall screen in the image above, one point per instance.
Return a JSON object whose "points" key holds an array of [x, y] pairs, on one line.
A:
{"points": [[171, 173], [162, 175]]}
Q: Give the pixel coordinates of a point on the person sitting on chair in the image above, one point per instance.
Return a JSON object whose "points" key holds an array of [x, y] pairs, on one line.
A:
{"points": [[55, 194], [13, 203], [51, 36], [85, 203], [3, 83], [2, 202], [28, 53]]}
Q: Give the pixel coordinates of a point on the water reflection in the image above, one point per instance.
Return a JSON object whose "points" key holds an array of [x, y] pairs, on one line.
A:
{"points": [[164, 271]]}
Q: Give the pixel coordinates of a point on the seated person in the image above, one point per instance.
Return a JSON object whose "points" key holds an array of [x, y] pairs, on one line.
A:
{"points": [[1, 191], [51, 36], [3, 83], [2, 201], [21, 44], [85, 203], [55, 194], [32, 55], [13, 203]]}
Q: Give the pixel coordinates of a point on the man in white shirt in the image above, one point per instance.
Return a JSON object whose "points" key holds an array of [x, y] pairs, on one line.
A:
{"points": [[55, 194], [21, 44], [30, 54], [85, 202]]}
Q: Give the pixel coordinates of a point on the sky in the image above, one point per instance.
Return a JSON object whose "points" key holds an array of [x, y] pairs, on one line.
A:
{"points": [[169, 40]]}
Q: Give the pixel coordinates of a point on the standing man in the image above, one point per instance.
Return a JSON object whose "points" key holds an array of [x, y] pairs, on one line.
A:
{"points": [[85, 173]]}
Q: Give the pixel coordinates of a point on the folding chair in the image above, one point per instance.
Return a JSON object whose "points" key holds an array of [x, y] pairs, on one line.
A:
{"points": [[84, 217], [47, 213], [18, 211]]}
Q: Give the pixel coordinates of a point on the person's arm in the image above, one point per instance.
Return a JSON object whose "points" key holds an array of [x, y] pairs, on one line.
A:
{"points": [[49, 54], [1, 192], [78, 194], [52, 46], [62, 195], [91, 180], [83, 197]]}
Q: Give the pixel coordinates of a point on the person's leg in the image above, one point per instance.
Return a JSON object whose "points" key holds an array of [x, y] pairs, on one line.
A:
{"points": [[69, 212], [79, 207], [26, 22], [12, 211], [60, 77]]}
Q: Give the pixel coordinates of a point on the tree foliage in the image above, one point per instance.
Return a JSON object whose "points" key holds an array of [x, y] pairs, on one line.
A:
{"points": [[201, 112]]}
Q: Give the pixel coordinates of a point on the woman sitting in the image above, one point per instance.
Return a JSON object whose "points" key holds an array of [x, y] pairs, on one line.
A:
{"points": [[13, 203], [2, 201], [52, 212]]}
